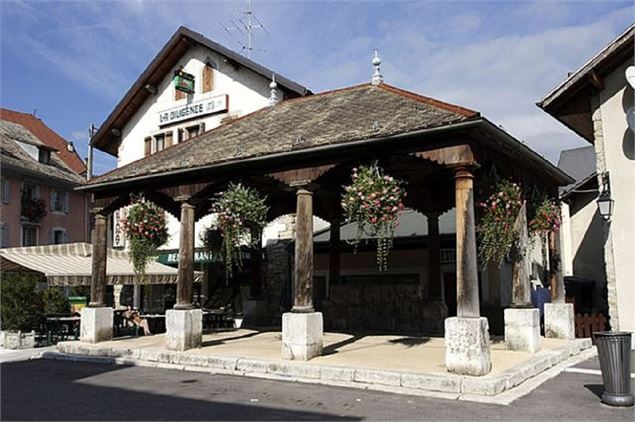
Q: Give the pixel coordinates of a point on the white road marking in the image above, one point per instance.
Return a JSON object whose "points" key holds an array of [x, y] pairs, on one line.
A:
{"points": [[589, 371]]}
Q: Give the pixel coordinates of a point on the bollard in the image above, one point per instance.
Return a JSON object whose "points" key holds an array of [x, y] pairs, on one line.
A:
{"points": [[614, 351]]}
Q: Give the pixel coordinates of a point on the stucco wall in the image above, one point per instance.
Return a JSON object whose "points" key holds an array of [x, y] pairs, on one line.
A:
{"points": [[74, 222], [247, 91], [619, 159]]}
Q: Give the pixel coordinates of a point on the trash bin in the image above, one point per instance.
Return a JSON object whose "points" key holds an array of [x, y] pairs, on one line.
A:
{"points": [[614, 351]]}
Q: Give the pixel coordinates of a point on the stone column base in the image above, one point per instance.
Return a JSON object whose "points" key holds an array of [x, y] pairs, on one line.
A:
{"points": [[301, 335], [96, 324], [522, 329], [184, 329], [559, 320], [467, 346]]}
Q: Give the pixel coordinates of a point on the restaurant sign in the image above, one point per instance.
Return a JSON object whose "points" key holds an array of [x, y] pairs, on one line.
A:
{"points": [[200, 256], [194, 109]]}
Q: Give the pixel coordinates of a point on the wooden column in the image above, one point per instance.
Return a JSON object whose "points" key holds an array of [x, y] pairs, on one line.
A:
{"points": [[255, 289], [466, 264], [556, 278], [303, 289], [434, 257], [100, 256], [185, 275], [521, 293], [334, 252]]}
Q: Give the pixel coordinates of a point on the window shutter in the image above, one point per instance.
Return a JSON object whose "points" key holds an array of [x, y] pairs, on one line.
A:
{"points": [[51, 237], [208, 78], [53, 200], [168, 139], [201, 128], [180, 135], [6, 191], [66, 237], [147, 146], [66, 203]]}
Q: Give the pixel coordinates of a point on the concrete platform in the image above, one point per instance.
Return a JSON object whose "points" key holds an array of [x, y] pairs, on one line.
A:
{"points": [[401, 364]]}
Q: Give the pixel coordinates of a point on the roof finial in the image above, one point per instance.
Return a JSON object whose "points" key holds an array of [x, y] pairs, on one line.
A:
{"points": [[273, 96], [377, 76]]}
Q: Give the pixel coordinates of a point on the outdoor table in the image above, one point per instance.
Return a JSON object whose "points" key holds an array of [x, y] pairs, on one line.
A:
{"points": [[216, 318], [62, 327], [156, 322]]}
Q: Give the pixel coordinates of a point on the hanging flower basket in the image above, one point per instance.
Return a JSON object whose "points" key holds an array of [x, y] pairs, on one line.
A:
{"points": [[547, 217], [33, 209], [146, 230], [373, 201], [241, 213], [495, 229]]}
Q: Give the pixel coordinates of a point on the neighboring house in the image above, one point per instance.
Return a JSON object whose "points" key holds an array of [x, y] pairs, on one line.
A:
{"points": [[39, 206], [597, 103], [154, 114], [582, 232], [65, 150]]}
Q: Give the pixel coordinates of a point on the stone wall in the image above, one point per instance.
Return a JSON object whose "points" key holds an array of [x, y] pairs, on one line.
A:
{"points": [[381, 307], [277, 282]]}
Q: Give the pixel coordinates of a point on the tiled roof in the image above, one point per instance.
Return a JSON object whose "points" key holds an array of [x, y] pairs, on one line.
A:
{"points": [[578, 163], [333, 117], [47, 136], [13, 156]]}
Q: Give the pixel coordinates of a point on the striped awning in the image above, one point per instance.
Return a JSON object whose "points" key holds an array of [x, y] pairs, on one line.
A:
{"points": [[71, 264]]}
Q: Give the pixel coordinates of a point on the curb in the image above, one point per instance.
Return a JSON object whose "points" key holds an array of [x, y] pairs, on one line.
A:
{"points": [[450, 386]]}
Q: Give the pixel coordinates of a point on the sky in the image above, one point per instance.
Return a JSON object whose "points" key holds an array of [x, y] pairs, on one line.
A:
{"points": [[71, 62]]}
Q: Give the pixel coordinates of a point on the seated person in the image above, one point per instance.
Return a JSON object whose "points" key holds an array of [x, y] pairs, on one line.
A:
{"points": [[132, 315]]}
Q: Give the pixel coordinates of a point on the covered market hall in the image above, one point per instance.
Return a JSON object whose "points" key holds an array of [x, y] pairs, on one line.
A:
{"points": [[299, 153]]}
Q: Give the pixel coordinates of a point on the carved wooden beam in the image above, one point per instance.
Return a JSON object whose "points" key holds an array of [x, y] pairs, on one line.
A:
{"points": [[452, 156], [108, 204], [300, 177]]}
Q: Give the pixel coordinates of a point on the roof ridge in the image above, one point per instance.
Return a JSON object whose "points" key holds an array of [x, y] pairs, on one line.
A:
{"points": [[430, 101], [323, 93]]}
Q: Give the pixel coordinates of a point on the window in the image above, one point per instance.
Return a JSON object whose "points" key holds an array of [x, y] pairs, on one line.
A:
{"points": [[191, 131], [44, 156], [29, 235], [4, 235], [59, 201], [159, 142], [30, 190], [6, 191], [58, 236]]}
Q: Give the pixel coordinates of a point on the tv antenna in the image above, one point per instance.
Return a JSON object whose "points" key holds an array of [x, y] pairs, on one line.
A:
{"points": [[245, 26]]}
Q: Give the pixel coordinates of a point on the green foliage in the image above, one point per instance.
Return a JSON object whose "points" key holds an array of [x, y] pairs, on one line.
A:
{"points": [[373, 201], [241, 215], [495, 230], [20, 302], [54, 301], [146, 231]]}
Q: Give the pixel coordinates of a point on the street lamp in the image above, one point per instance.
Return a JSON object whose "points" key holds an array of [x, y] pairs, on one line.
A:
{"points": [[605, 202]]}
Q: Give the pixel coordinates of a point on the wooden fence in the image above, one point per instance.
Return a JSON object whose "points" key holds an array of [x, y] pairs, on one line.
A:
{"points": [[587, 324]]}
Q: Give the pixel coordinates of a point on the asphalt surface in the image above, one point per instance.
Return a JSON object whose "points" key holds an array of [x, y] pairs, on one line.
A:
{"points": [[58, 390]]}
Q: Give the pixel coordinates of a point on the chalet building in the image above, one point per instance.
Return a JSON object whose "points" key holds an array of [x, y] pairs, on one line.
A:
{"points": [[193, 85], [40, 171], [597, 102]]}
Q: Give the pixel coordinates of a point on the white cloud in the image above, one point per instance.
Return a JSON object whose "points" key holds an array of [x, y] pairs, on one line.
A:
{"points": [[79, 135]]}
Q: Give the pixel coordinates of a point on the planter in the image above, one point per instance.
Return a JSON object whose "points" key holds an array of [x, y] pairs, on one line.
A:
{"points": [[17, 340], [614, 352], [238, 321]]}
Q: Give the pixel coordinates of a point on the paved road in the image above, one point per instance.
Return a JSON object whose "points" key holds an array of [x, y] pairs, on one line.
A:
{"points": [[57, 390]]}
